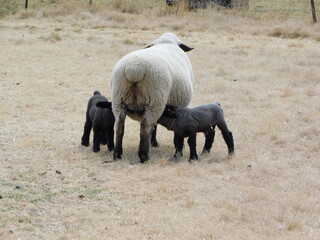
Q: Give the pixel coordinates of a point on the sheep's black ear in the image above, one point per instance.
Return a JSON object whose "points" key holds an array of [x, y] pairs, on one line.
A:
{"points": [[149, 46], [185, 47], [104, 104]]}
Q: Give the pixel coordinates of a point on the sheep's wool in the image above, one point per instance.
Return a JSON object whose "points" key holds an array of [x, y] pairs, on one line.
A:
{"points": [[146, 80]]}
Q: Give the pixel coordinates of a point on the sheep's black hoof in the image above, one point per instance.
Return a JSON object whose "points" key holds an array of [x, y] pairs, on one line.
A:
{"points": [[231, 152], [154, 144], [85, 143], [144, 158]]}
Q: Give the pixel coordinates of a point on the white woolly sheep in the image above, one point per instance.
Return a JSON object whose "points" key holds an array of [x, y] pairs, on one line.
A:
{"points": [[102, 122], [144, 82], [186, 122]]}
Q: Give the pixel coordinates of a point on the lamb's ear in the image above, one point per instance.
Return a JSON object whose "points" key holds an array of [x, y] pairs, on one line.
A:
{"points": [[104, 104], [168, 113], [185, 47]]}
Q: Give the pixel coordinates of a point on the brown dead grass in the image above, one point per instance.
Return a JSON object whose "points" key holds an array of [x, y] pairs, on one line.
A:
{"points": [[53, 188]]}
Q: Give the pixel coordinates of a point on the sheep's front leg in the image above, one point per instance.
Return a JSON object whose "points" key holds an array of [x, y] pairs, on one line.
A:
{"points": [[209, 140], [145, 135], [117, 154], [86, 133], [178, 144], [192, 141]]}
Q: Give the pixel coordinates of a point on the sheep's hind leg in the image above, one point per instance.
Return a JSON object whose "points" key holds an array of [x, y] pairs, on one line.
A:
{"points": [[209, 140], [86, 133], [178, 144], [117, 154], [145, 135]]}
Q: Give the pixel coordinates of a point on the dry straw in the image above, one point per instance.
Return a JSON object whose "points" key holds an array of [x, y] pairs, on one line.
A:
{"points": [[265, 76]]}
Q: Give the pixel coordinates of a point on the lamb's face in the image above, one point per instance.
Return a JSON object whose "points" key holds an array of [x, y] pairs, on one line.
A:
{"points": [[171, 38]]}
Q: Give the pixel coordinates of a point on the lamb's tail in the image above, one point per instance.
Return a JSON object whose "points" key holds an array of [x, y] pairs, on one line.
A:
{"points": [[135, 71], [217, 103], [96, 92]]}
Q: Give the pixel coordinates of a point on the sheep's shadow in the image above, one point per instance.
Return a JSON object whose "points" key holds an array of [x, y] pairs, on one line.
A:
{"points": [[130, 154], [163, 154]]}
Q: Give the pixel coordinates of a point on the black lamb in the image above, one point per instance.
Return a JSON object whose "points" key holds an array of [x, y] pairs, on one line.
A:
{"points": [[101, 120], [186, 122]]}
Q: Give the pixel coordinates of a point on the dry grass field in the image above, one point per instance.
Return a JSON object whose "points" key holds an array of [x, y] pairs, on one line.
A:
{"points": [[265, 74]]}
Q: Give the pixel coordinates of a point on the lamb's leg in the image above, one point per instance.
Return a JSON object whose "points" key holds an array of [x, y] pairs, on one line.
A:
{"points": [[117, 154], [227, 136], [154, 141], [104, 139], [145, 136], [192, 141], [178, 144], [86, 133], [96, 139], [110, 135], [209, 140]]}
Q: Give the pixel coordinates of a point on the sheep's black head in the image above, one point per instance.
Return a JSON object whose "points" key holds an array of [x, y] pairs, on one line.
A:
{"points": [[104, 104], [171, 38]]}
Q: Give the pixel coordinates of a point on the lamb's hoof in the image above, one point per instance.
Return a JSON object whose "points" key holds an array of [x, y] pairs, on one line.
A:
{"points": [[231, 152], [110, 148], [178, 155], [85, 143], [95, 150], [193, 158], [117, 156], [205, 151]]}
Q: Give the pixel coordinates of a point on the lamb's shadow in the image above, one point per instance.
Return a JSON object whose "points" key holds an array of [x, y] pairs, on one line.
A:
{"points": [[216, 157]]}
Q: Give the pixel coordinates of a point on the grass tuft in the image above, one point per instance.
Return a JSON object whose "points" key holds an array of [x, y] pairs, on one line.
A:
{"points": [[289, 34]]}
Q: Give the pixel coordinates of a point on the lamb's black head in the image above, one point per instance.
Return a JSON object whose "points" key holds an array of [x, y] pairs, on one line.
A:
{"points": [[104, 104], [169, 112]]}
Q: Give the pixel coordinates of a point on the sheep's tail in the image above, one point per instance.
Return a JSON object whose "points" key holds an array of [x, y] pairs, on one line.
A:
{"points": [[217, 103], [96, 92], [135, 71]]}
